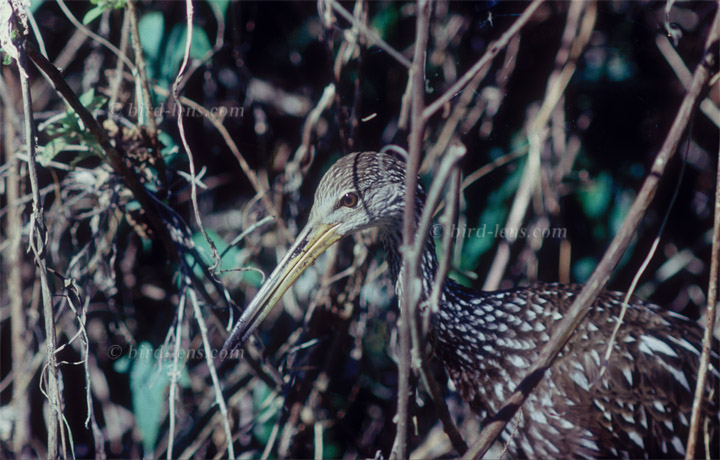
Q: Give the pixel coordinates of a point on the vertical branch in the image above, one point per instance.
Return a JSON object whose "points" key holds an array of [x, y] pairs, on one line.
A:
{"points": [[219, 399], [181, 129], [37, 241], [410, 288], [174, 375], [13, 230], [146, 100], [449, 171], [709, 327]]}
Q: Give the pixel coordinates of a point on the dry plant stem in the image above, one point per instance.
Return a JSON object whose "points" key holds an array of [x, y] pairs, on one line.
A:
{"points": [[147, 112], [373, 38], [174, 376], [249, 172], [448, 171], [95, 36], [429, 382], [459, 112], [574, 40], [85, 340], [219, 399], [709, 327], [310, 124], [707, 106], [112, 155], [489, 55], [37, 244], [410, 282], [516, 214], [117, 78], [13, 267], [181, 129], [483, 171], [601, 275]]}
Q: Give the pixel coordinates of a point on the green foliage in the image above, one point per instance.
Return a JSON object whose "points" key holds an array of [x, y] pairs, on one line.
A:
{"points": [[229, 256], [100, 7], [149, 381], [596, 198], [165, 51], [266, 409], [151, 28], [68, 130], [170, 148], [386, 19]]}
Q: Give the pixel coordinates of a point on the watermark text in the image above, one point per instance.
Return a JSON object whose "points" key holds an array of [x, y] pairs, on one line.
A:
{"points": [[498, 231]]}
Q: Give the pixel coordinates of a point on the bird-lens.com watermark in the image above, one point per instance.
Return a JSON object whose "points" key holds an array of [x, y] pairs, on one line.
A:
{"points": [[220, 111], [167, 353], [498, 231]]}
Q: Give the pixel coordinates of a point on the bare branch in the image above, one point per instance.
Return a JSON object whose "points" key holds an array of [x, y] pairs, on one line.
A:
{"points": [[489, 55], [410, 282], [710, 315], [583, 302]]}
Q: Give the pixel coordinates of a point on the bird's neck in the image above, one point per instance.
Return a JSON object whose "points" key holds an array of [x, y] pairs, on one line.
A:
{"points": [[393, 241]]}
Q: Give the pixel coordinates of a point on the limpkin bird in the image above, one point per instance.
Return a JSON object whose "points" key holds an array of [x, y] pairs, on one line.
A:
{"points": [[638, 408]]}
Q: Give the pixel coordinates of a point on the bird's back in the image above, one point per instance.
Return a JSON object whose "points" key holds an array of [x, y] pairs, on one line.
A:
{"points": [[638, 406]]}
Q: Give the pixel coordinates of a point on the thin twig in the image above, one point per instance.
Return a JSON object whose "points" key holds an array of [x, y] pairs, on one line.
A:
{"points": [[600, 276], [37, 240], [117, 78], [574, 40], [174, 375], [710, 314], [489, 55], [145, 100], [95, 36], [373, 38], [448, 218], [252, 176], [113, 155], [410, 282], [707, 106], [181, 129], [219, 399]]}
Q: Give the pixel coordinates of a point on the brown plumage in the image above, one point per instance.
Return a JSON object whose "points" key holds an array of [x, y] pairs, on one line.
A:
{"points": [[639, 407]]}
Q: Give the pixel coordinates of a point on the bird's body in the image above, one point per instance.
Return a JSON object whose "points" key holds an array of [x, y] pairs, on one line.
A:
{"points": [[638, 407]]}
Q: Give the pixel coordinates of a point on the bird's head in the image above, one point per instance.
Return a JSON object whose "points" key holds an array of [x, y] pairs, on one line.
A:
{"points": [[359, 191]]}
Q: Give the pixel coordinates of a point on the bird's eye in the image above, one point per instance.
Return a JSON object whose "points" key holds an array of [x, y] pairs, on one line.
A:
{"points": [[349, 200]]}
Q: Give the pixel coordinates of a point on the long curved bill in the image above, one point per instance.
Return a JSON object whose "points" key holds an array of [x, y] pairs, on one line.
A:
{"points": [[312, 241]]}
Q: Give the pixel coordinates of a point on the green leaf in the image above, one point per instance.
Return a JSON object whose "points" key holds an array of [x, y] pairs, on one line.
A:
{"points": [[149, 381], [228, 260], [596, 198], [151, 28], [93, 14], [199, 46], [51, 149]]}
